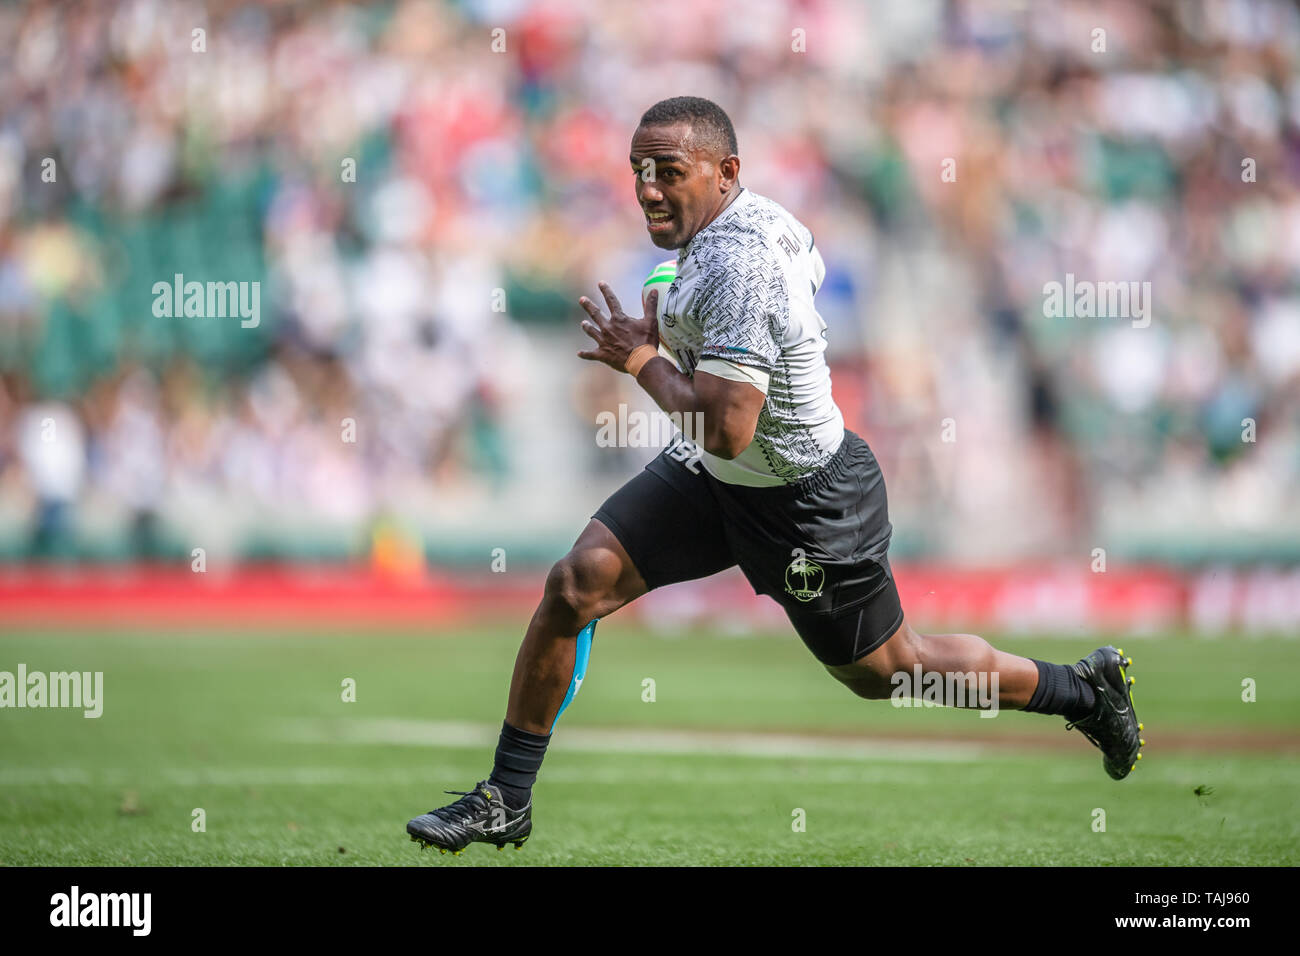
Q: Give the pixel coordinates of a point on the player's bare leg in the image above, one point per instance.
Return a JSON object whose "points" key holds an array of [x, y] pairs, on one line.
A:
{"points": [[594, 579], [872, 676], [1093, 694]]}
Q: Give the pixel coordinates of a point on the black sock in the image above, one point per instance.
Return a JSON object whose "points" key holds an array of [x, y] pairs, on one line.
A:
{"points": [[519, 757], [1061, 691]]}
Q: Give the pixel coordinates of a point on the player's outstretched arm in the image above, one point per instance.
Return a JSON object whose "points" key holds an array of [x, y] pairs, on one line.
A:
{"points": [[729, 410]]}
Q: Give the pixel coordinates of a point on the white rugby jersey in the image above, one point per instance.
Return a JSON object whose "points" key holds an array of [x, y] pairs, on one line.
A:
{"points": [[738, 303]]}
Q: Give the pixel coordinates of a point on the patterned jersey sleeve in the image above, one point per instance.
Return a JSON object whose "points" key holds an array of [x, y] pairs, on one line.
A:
{"points": [[742, 303]]}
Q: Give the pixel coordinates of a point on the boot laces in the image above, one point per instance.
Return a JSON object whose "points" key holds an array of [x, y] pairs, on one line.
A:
{"points": [[470, 804]]}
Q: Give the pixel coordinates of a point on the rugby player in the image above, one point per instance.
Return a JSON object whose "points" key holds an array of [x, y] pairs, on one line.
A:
{"points": [[779, 486]]}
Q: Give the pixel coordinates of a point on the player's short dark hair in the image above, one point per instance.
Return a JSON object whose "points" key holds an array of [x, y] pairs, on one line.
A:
{"points": [[710, 123]]}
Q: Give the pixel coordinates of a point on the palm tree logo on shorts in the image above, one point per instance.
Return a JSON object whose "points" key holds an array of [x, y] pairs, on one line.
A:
{"points": [[804, 578]]}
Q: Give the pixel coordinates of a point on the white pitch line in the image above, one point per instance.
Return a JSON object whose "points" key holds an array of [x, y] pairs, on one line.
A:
{"points": [[428, 733], [438, 776]]}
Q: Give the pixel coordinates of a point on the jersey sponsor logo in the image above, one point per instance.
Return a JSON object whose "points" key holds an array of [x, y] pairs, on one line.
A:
{"points": [[670, 304], [804, 579], [688, 359], [789, 245]]}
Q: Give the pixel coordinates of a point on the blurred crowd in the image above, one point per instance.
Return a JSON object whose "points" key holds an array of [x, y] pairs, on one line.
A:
{"points": [[423, 188]]}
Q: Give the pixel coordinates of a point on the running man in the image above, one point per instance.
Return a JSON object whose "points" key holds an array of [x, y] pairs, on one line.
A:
{"points": [[779, 486]]}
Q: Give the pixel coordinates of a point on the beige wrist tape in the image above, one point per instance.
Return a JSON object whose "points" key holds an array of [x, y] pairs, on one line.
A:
{"points": [[640, 355]]}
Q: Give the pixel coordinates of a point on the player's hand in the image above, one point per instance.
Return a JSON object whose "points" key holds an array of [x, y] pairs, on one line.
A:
{"points": [[618, 333]]}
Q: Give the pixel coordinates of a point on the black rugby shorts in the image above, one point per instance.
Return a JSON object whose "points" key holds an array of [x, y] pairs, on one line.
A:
{"points": [[819, 547]]}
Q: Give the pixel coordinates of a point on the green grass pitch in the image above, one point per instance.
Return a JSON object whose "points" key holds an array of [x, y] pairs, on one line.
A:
{"points": [[742, 735]]}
